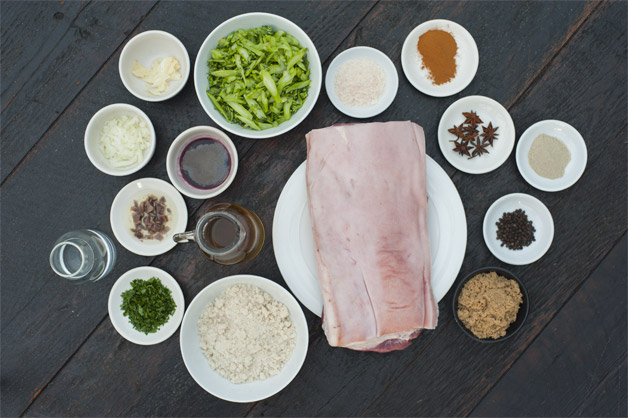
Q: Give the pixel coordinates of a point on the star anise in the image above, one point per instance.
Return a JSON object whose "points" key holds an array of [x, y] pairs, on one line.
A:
{"points": [[462, 148], [471, 117], [471, 130], [457, 130], [489, 134], [478, 148]]}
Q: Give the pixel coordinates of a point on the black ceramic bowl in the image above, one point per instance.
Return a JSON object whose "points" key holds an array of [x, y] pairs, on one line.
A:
{"points": [[521, 315]]}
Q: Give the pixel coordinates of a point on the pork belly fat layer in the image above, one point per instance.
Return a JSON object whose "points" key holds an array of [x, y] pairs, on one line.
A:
{"points": [[368, 204]]}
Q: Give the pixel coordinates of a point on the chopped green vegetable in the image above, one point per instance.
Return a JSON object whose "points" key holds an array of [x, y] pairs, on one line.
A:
{"points": [[258, 78], [148, 304]]}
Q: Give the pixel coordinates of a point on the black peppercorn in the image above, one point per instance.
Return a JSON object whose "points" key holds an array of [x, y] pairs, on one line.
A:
{"points": [[515, 230]]}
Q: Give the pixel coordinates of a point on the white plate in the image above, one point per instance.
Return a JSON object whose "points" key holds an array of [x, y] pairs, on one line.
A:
{"points": [[541, 219], [392, 81], [467, 59], [122, 324], [197, 363], [572, 140], [293, 241], [145, 48], [489, 111], [122, 222]]}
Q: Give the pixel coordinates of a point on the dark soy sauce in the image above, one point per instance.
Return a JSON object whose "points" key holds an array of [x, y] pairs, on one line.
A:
{"points": [[205, 163], [220, 233]]}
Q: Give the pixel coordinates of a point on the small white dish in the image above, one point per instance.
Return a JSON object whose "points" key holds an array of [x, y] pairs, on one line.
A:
{"points": [[467, 59], [122, 221], [541, 219], [145, 48], [197, 364], [293, 240], [489, 111], [174, 155], [122, 324], [387, 66], [572, 140], [94, 131], [249, 21]]}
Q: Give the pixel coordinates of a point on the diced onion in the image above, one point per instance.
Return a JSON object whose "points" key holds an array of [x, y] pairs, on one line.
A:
{"points": [[124, 140]]}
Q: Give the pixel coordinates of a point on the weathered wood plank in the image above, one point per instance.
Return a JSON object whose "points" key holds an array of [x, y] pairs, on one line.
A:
{"points": [[49, 57], [609, 398], [578, 349], [332, 381], [56, 189], [589, 218]]}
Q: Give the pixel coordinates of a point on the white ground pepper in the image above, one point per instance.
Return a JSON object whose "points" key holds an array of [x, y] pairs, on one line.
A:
{"points": [[549, 156]]}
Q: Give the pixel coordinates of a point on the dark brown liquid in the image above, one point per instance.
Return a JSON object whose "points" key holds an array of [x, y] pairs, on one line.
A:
{"points": [[220, 236], [220, 233], [205, 163]]}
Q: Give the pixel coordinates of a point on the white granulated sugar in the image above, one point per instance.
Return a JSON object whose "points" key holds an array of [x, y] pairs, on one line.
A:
{"points": [[360, 82], [246, 334]]}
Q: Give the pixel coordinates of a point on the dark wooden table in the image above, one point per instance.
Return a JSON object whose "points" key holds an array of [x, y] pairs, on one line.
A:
{"points": [[541, 60]]}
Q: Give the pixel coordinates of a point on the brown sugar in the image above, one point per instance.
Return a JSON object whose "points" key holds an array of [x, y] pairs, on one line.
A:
{"points": [[488, 304]]}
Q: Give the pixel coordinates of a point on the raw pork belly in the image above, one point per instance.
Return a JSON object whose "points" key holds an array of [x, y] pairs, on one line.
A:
{"points": [[368, 204]]}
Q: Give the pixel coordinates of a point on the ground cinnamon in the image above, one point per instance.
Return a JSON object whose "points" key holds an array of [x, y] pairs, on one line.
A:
{"points": [[438, 50]]}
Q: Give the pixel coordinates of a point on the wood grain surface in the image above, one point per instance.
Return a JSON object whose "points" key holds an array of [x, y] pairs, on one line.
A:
{"points": [[60, 355]]}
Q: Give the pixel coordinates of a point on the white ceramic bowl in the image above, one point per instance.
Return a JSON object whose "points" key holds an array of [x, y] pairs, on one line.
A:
{"points": [[488, 110], [122, 324], [249, 21], [94, 131], [541, 219], [174, 154], [572, 140], [467, 59], [197, 363], [363, 52], [122, 221], [146, 48]]}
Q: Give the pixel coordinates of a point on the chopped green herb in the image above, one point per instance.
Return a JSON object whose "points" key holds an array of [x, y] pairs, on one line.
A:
{"points": [[258, 78], [148, 304]]}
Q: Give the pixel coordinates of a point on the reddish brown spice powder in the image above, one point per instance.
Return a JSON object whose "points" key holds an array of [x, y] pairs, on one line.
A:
{"points": [[438, 50]]}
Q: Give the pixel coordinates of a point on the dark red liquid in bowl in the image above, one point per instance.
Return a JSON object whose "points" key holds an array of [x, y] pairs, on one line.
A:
{"points": [[205, 163]]}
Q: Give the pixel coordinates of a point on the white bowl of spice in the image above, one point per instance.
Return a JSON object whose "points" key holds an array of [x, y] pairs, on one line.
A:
{"points": [[361, 82], [440, 58], [518, 229], [154, 66], [120, 139], [244, 338], [551, 155]]}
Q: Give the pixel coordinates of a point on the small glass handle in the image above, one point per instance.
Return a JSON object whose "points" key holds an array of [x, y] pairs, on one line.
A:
{"points": [[184, 237]]}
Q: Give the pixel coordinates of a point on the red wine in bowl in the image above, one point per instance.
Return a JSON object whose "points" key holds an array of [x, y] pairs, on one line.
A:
{"points": [[205, 163]]}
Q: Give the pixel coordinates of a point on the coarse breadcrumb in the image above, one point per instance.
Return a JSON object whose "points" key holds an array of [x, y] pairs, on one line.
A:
{"points": [[360, 82], [246, 334]]}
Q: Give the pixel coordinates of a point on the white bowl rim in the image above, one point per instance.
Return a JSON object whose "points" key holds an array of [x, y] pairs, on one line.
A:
{"points": [[376, 108], [184, 78], [524, 172], [437, 91], [449, 157], [147, 155], [136, 248], [545, 212], [249, 133], [235, 279], [180, 309], [231, 149]]}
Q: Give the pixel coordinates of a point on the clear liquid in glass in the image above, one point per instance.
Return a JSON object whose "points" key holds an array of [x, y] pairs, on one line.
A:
{"points": [[83, 256]]}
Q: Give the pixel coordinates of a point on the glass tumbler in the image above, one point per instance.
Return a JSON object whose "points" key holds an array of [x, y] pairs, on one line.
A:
{"points": [[83, 256]]}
